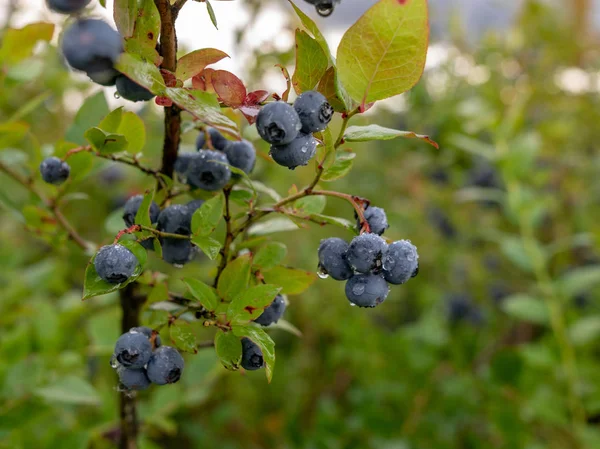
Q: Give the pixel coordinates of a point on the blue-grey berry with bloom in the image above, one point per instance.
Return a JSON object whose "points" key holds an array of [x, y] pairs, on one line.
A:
{"points": [[148, 333], [165, 366], [401, 262], [54, 170], [208, 170], [67, 6], [132, 206], [133, 350], [332, 259], [194, 205], [367, 290], [176, 219], [217, 140], [314, 111], [241, 154], [133, 379], [296, 153], [132, 91], [278, 123], [366, 252], [115, 263], [252, 356], [273, 312], [376, 218]]}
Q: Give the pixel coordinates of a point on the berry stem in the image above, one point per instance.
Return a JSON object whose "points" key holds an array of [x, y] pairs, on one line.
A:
{"points": [[229, 236]]}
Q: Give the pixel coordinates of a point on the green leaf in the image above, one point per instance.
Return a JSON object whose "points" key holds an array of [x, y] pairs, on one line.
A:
{"points": [[93, 285], [336, 221], [270, 255], [241, 197], [340, 168], [132, 127], [211, 13], [585, 330], [513, 249], [314, 30], [376, 132], [144, 73], [314, 204], [207, 296], [208, 216], [70, 390], [579, 280], [104, 142], [235, 277], [146, 29], [277, 224], [12, 133], [326, 151], [264, 342], [311, 62], [229, 349], [125, 13], [209, 246], [331, 88], [183, 337], [111, 122], [195, 62], [251, 303], [526, 308], [293, 281], [383, 53], [142, 217], [160, 292], [91, 112], [18, 44]]}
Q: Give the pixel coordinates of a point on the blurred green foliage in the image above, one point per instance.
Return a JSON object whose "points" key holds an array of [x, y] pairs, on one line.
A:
{"points": [[494, 344]]}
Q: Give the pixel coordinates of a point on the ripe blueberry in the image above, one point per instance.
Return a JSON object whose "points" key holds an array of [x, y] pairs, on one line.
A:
{"points": [[194, 205], [133, 379], [115, 263], [67, 6], [91, 45], [278, 123], [298, 152], [366, 252], [131, 208], [273, 312], [252, 356], [165, 366], [133, 350], [460, 307], [218, 141], [401, 262], [177, 251], [332, 259], [376, 218], [314, 111], [367, 290], [148, 333], [106, 77], [176, 219], [54, 171], [132, 91], [208, 170], [241, 154]]}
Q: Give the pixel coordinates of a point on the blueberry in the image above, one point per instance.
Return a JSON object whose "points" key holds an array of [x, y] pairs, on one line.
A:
{"points": [[148, 333], [177, 251], [218, 141], [401, 262], [252, 356], [91, 45], [367, 290], [273, 312], [376, 218], [107, 77], [115, 263], [241, 154], [366, 252], [298, 152], [182, 165], [208, 170], [460, 307], [278, 123], [194, 205], [133, 379], [132, 91], [133, 350], [54, 170], [175, 219], [165, 366], [131, 208], [332, 259], [67, 6], [314, 111]]}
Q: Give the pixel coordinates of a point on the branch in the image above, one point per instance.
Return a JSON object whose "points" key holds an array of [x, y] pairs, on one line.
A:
{"points": [[229, 236]]}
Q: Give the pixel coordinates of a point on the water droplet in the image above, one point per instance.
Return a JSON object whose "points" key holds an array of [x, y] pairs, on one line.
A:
{"points": [[117, 96], [322, 273], [178, 265], [114, 362], [352, 304], [358, 289]]}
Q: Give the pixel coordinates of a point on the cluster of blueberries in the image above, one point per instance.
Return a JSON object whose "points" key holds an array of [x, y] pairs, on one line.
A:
{"points": [[368, 263], [92, 46], [324, 7], [140, 360], [289, 128], [208, 168]]}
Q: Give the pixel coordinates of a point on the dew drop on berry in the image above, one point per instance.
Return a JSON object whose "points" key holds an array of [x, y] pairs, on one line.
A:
{"points": [[116, 95], [178, 265], [322, 273], [358, 289], [113, 361]]}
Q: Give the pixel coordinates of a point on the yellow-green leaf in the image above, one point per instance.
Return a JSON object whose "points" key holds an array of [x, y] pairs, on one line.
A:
{"points": [[311, 62]]}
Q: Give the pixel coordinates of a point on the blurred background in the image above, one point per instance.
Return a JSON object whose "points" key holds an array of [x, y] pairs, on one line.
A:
{"points": [[496, 344]]}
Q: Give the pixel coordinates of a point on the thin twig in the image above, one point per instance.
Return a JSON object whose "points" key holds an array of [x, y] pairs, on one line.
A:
{"points": [[229, 236]]}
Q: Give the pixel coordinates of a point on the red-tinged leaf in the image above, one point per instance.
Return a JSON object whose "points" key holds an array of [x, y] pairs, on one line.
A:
{"points": [[288, 79], [195, 62], [250, 112], [256, 97], [203, 81], [365, 107], [163, 101], [169, 77], [229, 88]]}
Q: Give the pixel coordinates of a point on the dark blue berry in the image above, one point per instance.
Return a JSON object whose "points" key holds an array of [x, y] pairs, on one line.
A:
{"points": [[208, 170], [133, 350], [177, 251], [278, 123], [366, 252], [314, 111], [241, 154], [107, 77], [148, 333], [252, 356], [376, 218], [194, 205], [131, 208], [54, 170], [296, 153], [115, 263], [133, 379], [165, 366], [132, 91], [67, 6], [273, 312], [401, 262], [366, 290], [332, 259], [218, 141]]}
